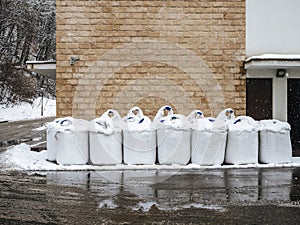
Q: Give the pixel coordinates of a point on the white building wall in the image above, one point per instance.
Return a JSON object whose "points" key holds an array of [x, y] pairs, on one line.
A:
{"points": [[272, 26]]}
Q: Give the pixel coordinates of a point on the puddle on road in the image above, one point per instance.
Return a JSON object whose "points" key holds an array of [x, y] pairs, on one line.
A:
{"points": [[231, 196], [209, 190]]}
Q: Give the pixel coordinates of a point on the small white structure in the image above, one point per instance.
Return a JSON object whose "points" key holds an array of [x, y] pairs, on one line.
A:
{"points": [[242, 143], [275, 143]]}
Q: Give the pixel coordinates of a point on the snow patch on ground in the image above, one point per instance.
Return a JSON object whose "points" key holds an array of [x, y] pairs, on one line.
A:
{"points": [[20, 157], [26, 111]]}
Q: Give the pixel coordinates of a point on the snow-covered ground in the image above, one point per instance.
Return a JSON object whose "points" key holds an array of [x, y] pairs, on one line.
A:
{"points": [[26, 111], [21, 158]]}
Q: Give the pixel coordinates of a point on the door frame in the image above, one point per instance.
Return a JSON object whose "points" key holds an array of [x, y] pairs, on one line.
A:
{"points": [[266, 66]]}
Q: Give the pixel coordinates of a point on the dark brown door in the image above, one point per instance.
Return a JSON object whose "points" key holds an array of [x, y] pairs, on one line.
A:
{"points": [[259, 98], [294, 113]]}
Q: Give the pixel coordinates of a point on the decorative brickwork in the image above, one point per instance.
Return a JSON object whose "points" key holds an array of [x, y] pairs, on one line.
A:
{"points": [[188, 54]]}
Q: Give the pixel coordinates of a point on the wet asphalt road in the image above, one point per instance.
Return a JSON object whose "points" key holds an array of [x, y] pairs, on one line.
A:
{"points": [[12, 133], [212, 196], [231, 196]]}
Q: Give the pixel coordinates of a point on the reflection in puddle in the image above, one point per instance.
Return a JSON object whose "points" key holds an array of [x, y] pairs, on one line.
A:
{"points": [[144, 206], [166, 190], [147, 206], [107, 203], [242, 185], [139, 183], [69, 179], [275, 185]]}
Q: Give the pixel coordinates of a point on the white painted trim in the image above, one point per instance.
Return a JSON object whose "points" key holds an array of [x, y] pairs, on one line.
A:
{"points": [[279, 99], [275, 57], [271, 64], [261, 73]]}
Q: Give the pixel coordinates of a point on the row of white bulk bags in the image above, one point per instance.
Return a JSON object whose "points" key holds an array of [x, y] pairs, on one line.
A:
{"points": [[266, 141], [139, 139], [239, 140], [169, 133], [209, 137], [178, 139], [76, 142]]}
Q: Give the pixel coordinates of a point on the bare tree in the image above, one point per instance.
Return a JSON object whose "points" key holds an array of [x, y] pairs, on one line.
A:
{"points": [[27, 32]]}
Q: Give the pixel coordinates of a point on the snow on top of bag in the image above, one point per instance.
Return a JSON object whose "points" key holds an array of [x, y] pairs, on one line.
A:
{"points": [[112, 115], [274, 126], [205, 124], [136, 121], [108, 123], [175, 121], [195, 115], [56, 123], [166, 119], [68, 123], [60, 124], [209, 124], [163, 112], [227, 114], [243, 123], [200, 123]]}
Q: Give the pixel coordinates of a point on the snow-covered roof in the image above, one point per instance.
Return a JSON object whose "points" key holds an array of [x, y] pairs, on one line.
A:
{"points": [[275, 56], [272, 61], [41, 62]]}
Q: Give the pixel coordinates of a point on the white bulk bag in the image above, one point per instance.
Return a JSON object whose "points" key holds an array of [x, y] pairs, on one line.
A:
{"points": [[105, 149], [242, 142], [208, 142], [275, 143], [105, 139], [72, 142], [52, 128], [139, 147], [139, 139], [173, 140]]}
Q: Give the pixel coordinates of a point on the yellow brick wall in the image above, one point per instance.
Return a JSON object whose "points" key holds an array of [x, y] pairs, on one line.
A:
{"points": [[188, 54]]}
